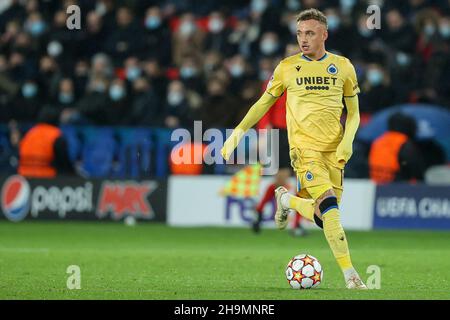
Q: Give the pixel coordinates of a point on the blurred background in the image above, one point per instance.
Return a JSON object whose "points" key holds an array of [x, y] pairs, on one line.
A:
{"points": [[111, 93]]}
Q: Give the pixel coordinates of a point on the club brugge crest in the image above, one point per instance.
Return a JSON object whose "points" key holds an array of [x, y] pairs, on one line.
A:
{"points": [[332, 69], [15, 198], [309, 176]]}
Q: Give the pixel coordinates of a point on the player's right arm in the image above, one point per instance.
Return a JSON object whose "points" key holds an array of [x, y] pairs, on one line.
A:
{"points": [[275, 89]]}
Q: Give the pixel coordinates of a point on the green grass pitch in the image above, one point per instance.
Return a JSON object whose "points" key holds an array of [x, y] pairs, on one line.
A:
{"points": [[153, 261]]}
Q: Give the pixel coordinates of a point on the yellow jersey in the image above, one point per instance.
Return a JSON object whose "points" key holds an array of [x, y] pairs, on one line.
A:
{"points": [[314, 104]]}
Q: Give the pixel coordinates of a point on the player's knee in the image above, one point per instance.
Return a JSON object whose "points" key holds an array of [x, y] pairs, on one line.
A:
{"points": [[326, 202]]}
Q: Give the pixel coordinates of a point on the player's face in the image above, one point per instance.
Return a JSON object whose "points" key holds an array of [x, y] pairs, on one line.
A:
{"points": [[311, 36]]}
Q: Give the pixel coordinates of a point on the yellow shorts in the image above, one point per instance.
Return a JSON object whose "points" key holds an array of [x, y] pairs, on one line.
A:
{"points": [[317, 172]]}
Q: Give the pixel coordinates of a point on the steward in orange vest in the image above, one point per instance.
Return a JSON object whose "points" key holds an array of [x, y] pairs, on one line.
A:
{"points": [[394, 155], [190, 163], [43, 149]]}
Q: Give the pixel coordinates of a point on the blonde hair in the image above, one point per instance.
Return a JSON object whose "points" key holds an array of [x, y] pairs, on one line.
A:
{"points": [[313, 14]]}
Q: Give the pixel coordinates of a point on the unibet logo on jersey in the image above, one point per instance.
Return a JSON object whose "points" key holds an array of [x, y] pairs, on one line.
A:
{"points": [[315, 89]]}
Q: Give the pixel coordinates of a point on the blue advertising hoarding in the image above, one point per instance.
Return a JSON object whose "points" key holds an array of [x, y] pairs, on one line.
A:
{"points": [[402, 206]]}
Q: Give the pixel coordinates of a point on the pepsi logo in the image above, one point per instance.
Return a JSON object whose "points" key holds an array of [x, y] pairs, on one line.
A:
{"points": [[16, 198]]}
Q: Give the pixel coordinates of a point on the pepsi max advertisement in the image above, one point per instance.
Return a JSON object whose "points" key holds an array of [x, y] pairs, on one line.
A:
{"points": [[403, 206], [80, 199]]}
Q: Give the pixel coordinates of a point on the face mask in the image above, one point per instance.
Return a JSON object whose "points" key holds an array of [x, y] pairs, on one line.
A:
{"points": [[364, 32], [215, 25], [268, 46], [347, 5], [37, 28], [429, 30], [133, 73], [293, 5], [54, 49], [99, 87], [187, 28], [116, 92], [258, 5], [402, 59], [100, 8], [375, 77], [152, 22], [333, 22], [236, 70], [175, 98], [188, 72], [444, 30], [29, 90], [65, 98]]}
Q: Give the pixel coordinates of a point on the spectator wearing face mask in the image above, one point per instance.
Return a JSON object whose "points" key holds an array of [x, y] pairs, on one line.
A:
{"points": [[187, 39], [92, 107], [339, 34], [427, 28], [133, 69], [65, 97], [60, 44], [239, 71], [177, 110], [118, 111], [26, 105], [362, 40], [430, 47], [269, 45], [190, 74], [156, 35], [218, 33], [265, 15], [444, 29], [35, 25], [377, 92]]}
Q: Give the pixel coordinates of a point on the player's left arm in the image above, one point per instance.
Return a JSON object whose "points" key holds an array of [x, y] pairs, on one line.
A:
{"points": [[351, 89]]}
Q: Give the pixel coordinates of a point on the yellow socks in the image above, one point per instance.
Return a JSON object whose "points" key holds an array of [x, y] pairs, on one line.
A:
{"points": [[335, 235], [305, 207]]}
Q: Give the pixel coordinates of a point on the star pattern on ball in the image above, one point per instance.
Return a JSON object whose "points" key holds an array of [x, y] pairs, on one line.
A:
{"points": [[298, 276], [316, 277], [307, 260]]}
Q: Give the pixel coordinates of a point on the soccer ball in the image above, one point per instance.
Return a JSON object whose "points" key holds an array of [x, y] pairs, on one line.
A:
{"points": [[304, 272]]}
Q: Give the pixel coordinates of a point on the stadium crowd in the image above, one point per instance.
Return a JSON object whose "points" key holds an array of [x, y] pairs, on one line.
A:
{"points": [[165, 63]]}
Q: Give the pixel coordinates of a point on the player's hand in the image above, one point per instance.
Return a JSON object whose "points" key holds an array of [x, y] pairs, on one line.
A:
{"points": [[231, 143], [344, 152]]}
